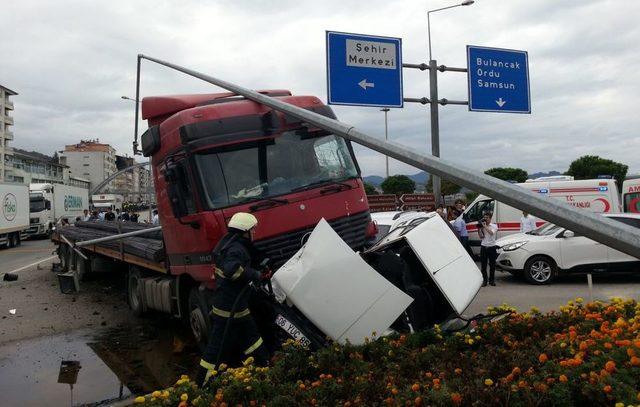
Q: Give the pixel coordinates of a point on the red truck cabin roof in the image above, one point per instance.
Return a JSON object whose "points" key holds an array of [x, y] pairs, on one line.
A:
{"points": [[231, 118]]}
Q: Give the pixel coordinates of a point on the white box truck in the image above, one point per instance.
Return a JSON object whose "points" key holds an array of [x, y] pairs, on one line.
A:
{"points": [[48, 203], [14, 219], [103, 201], [595, 195], [631, 194]]}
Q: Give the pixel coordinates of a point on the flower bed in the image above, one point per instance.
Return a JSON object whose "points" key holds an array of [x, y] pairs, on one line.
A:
{"points": [[585, 354]]}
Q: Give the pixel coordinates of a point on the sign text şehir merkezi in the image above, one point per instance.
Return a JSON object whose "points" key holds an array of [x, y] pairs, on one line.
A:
{"points": [[498, 80], [364, 70]]}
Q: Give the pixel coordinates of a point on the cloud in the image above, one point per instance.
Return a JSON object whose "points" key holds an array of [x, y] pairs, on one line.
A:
{"points": [[70, 61]]}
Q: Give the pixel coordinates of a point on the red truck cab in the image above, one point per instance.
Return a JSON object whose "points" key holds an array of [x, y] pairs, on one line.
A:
{"points": [[213, 155]]}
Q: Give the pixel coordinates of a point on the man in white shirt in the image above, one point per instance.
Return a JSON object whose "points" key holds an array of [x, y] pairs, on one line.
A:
{"points": [[488, 248], [155, 219], [527, 222]]}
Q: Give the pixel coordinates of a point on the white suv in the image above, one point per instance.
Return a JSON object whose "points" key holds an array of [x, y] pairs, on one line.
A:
{"points": [[543, 253]]}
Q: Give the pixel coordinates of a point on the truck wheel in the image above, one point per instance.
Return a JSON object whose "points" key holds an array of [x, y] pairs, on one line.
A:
{"points": [[540, 270], [11, 240], [134, 292], [198, 319]]}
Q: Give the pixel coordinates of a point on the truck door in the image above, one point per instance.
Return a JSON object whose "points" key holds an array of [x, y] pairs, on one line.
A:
{"points": [[472, 215]]}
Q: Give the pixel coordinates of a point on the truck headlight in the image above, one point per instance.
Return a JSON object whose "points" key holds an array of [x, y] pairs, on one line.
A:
{"points": [[513, 246]]}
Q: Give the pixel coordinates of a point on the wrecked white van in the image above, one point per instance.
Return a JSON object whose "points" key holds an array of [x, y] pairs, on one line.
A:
{"points": [[416, 276]]}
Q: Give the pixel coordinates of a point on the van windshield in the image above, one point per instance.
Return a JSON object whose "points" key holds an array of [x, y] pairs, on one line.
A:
{"points": [[632, 202], [266, 168], [477, 211]]}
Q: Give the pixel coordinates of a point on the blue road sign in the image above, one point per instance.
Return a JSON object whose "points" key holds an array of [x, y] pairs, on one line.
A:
{"points": [[498, 80], [364, 70]]}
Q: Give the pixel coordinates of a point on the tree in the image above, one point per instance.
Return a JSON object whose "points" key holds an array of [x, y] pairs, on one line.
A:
{"points": [[590, 166], [398, 185], [446, 187], [508, 174], [370, 189]]}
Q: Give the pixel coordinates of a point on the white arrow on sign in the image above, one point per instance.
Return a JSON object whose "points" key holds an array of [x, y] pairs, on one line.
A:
{"points": [[501, 102], [364, 84]]}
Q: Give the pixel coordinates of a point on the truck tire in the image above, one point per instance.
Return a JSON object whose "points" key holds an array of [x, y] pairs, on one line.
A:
{"points": [[540, 270], [11, 240], [134, 292], [198, 319]]}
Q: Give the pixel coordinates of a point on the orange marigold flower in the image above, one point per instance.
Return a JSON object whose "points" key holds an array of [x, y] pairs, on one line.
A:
{"points": [[631, 352], [635, 361], [563, 378], [636, 343], [610, 366], [516, 371], [607, 389], [583, 345], [543, 357], [458, 371], [456, 398], [417, 401], [608, 345], [415, 387]]}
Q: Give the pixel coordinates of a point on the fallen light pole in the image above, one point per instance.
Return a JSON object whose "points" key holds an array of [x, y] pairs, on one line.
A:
{"points": [[606, 231]]}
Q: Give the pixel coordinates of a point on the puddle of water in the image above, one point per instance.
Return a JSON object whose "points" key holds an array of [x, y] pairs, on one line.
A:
{"points": [[115, 363]]}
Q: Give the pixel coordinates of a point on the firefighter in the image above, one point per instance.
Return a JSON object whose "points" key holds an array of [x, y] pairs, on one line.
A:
{"points": [[234, 335]]}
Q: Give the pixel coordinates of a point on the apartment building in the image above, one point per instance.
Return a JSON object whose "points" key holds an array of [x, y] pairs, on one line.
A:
{"points": [[31, 167], [6, 135], [91, 160]]}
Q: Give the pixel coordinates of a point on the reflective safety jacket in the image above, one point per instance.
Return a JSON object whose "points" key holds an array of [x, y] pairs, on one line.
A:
{"points": [[233, 256]]}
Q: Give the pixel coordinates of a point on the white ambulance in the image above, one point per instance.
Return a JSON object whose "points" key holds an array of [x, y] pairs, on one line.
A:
{"points": [[595, 195], [631, 194]]}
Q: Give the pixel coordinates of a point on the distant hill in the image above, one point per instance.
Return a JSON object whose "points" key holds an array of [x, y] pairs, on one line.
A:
{"points": [[544, 174], [419, 178]]}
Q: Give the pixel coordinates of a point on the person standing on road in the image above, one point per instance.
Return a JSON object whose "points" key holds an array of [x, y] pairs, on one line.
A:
{"points": [[527, 222], [155, 219], [488, 248], [86, 216], [234, 335], [461, 227], [109, 215]]}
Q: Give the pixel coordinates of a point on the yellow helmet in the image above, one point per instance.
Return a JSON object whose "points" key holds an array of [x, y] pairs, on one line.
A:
{"points": [[243, 221]]}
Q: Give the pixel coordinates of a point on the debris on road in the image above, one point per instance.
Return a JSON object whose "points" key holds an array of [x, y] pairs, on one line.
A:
{"points": [[12, 311], [10, 277]]}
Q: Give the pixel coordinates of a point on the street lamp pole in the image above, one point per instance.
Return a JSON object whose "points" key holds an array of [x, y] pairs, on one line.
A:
{"points": [[386, 135], [433, 95]]}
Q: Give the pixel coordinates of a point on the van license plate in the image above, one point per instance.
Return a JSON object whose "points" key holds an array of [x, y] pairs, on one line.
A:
{"points": [[291, 329]]}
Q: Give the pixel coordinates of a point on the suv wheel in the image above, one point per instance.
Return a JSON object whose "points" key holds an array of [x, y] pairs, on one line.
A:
{"points": [[540, 270]]}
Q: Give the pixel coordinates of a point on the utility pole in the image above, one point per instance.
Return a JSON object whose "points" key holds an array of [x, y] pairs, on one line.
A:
{"points": [[386, 136]]}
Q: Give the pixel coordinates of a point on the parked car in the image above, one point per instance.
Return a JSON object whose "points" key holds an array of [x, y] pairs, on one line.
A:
{"points": [[550, 250]]}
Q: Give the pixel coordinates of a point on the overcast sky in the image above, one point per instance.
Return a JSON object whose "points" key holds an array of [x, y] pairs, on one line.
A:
{"points": [[70, 61]]}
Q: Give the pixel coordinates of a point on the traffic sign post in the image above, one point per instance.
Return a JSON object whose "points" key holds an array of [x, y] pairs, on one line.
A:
{"points": [[364, 70], [418, 202], [498, 80], [382, 203]]}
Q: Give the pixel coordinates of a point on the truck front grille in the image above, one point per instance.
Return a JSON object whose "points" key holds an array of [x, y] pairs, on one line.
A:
{"points": [[352, 229]]}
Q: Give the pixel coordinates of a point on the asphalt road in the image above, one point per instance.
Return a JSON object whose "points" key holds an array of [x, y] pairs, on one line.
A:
{"points": [[518, 293], [27, 253]]}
